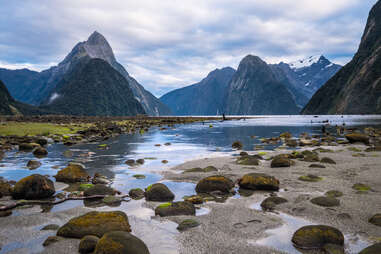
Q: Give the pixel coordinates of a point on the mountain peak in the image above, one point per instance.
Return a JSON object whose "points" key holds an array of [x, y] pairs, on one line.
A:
{"points": [[307, 62], [96, 38]]}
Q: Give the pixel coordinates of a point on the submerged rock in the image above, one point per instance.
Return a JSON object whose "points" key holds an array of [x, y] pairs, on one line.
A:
{"points": [[74, 172], [119, 242], [158, 192], [187, 224], [317, 236], [175, 209], [214, 183], [99, 189], [33, 164], [258, 181], [95, 223], [325, 201], [88, 244], [26, 147], [33, 187]]}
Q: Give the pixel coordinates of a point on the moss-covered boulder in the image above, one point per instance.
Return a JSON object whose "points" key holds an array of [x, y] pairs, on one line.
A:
{"points": [[187, 224], [249, 160], [175, 208], [258, 181], [72, 173], [214, 183], [271, 202], [95, 223], [88, 244], [373, 249], [136, 193], [33, 187], [325, 201], [5, 188], [33, 164], [327, 160], [237, 145], [316, 236], [358, 137], [376, 219], [26, 147], [362, 188], [158, 192], [99, 189], [40, 152], [280, 161], [119, 242]]}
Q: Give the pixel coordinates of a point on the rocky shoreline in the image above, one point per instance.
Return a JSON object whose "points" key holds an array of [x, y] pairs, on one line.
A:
{"points": [[329, 181]]}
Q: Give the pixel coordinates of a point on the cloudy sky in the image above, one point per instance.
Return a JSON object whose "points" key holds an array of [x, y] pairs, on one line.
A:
{"points": [[166, 44]]}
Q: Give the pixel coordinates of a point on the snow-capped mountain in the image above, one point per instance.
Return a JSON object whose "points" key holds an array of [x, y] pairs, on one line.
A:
{"points": [[303, 63]]}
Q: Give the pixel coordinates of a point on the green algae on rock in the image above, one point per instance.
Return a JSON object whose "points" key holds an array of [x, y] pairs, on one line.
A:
{"points": [[259, 181], [317, 236], [175, 209], [325, 201], [159, 192], [33, 187], [214, 183], [120, 242], [74, 172], [187, 224]]}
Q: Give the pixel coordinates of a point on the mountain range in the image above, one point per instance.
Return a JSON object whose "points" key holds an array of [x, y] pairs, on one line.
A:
{"points": [[41, 88], [356, 88], [218, 93]]}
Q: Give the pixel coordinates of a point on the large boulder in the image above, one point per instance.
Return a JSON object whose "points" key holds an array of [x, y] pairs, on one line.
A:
{"points": [[175, 208], [33, 187], [376, 220], [373, 249], [119, 242], [158, 192], [258, 181], [358, 137], [271, 202], [316, 236], [214, 183], [74, 172], [95, 223]]}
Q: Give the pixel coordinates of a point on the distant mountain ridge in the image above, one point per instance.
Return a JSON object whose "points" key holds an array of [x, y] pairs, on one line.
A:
{"points": [[38, 88], [356, 88], [203, 98]]}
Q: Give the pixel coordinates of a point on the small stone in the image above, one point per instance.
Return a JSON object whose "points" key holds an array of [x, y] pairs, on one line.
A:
{"points": [[270, 202], [112, 201], [50, 240], [140, 161], [325, 201], [310, 178], [237, 145], [316, 166], [138, 176], [5, 213], [376, 220], [280, 161], [33, 164], [334, 193], [214, 183], [327, 160], [40, 152], [136, 193], [51, 227], [187, 224]]}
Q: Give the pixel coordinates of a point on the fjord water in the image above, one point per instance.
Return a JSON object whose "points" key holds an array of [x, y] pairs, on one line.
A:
{"points": [[187, 142]]}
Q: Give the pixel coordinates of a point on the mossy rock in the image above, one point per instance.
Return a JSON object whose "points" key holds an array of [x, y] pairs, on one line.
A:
{"points": [[95, 223], [323, 150], [159, 192], [85, 186], [270, 202], [112, 201], [376, 220], [140, 161], [26, 147], [243, 153], [361, 188], [373, 149], [317, 236], [358, 137], [138, 176], [210, 169], [201, 170], [99, 189], [259, 181], [327, 160], [286, 135], [5, 188], [40, 152], [136, 193], [33, 187], [130, 162], [373, 249], [334, 193], [317, 166], [248, 160], [187, 224], [296, 155], [214, 183], [119, 242], [51, 227], [175, 209], [292, 143], [195, 199], [50, 240], [354, 149], [72, 173], [310, 178], [280, 161], [333, 249], [88, 244], [237, 145], [325, 201], [33, 164], [311, 157]]}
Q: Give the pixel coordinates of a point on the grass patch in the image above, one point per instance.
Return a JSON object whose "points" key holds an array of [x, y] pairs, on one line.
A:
{"points": [[34, 129]]}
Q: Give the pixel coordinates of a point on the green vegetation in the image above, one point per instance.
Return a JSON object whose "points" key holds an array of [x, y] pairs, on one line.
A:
{"points": [[35, 129], [164, 205]]}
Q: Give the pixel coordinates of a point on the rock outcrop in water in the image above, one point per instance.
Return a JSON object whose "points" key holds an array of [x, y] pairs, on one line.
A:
{"points": [[203, 98], [255, 90], [356, 88], [43, 87]]}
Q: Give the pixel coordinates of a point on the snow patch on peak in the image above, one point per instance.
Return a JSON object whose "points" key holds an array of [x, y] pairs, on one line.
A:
{"points": [[307, 62], [53, 97]]}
